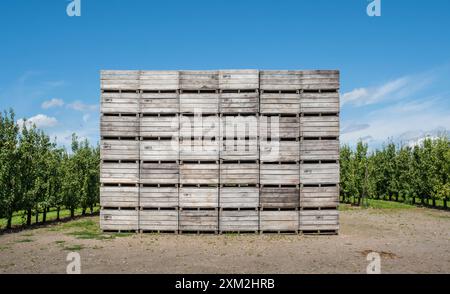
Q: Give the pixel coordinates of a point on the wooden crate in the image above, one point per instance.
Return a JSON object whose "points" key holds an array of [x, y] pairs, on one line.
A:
{"points": [[199, 197], [319, 220], [158, 197], [279, 174], [319, 197], [199, 173], [238, 79], [240, 126], [239, 173], [279, 197], [119, 150], [319, 173], [207, 126], [158, 220], [319, 150], [239, 102], [199, 102], [119, 102], [239, 149], [199, 80], [281, 102], [238, 220], [159, 80], [119, 196], [239, 197], [159, 173], [320, 79], [319, 126], [119, 126], [119, 220], [155, 150], [280, 80], [198, 220], [119, 79], [155, 126], [278, 220], [198, 149], [120, 173], [277, 150], [160, 102], [326, 102], [276, 126]]}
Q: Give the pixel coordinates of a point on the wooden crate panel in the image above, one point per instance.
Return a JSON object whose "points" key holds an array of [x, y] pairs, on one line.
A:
{"points": [[199, 80], [239, 149], [119, 150], [239, 173], [199, 173], [159, 102], [119, 79], [165, 150], [199, 126], [320, 79], [243, 220], [199, 220], [284, 197], [279, 174], [199, 103], [283, 103], [119, 126], [319, 150], [116, 220], [278, 220], [320, 102], [198, 149], [279, 150], [159, 80], [239, 197], [114, 196], [159, 173], [323, 173], [124, 102], [280, 80], [199, 197], [121, 173], [158, 197], [242, 126], [317, 197], [319, 126], [238, 79], [158, 220], [279, 127], [239, 102], [159, 126], [313, 220]]}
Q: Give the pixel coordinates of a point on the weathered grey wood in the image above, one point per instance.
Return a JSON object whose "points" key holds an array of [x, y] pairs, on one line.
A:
{"points": [[279, 127], [199, 197], [280, 80], [199, 103], [198, 149], [199, 126], [242, 173], [198, 173], [158, 197], [114, 196], [199, 220], [119, 150], [158, 220], [239, 102], [319, 126], [282, 103], [239, 149], [156, 150], [284, 197], [318, 197], [319, 150], [238, 79], [159, 102], [320, 79], [120, 102], [239, 197], [116, 220], [279, 174], [319, 102], [277, 150], [121, 173], [159, 80], [119, 126], [314, 220], [199, 80], [241, 126], [324, 173], [243, 220], [159, 126], [120, 80], [278, 220], [159, 173]]}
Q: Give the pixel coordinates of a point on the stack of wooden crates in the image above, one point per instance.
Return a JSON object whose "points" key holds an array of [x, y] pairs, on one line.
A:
{"points": [[154, 179]]}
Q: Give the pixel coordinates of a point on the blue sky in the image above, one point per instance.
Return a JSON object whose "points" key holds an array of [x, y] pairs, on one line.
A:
{"points": [[395, 69]]}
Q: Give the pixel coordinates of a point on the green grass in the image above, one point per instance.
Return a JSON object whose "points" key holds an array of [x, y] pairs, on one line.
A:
{"points": [[378, 204], [24, 241], [75, 247]]}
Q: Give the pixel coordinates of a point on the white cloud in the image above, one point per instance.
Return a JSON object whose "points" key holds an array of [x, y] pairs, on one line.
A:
{"points": [[40, 120], [80, 106], [55, 102]]}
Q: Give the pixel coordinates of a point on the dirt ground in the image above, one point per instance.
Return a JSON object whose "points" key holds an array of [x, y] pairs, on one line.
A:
{"points": [[413, 240]]}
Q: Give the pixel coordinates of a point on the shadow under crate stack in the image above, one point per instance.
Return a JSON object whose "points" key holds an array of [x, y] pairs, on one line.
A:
{"points": [[220, 151]]}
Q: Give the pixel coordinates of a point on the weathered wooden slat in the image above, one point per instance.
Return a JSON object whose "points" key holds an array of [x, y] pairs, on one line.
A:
{"points": [[319, 126], [319, 102], [239, 102], [119, 126], [324, 173], [238, 79], [199, 197], [279, 174], [119, 150], [280, 80], [239, 149], [198, 149], [193, 80], [199, 126], [159, 126], [119, 80], [159, 173], [283, 103], [159, 103], [320, 79], [198, 220], [111, 219], [319, 150], [279, 127], [314, 220], [114, 196], [199, 173], [277, 150], [159, 80], [119, 102], [155, 150], [278, 220], [199, 103], [239, 197], [242, 126], [284, 197], [158, 220], [124, 173], [244, 220], [242, 173], [318, 197], [158, 197]]}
